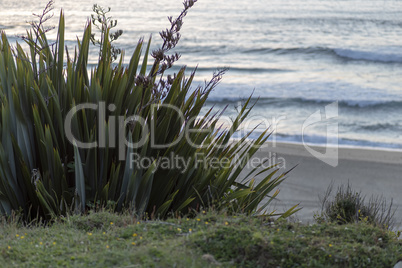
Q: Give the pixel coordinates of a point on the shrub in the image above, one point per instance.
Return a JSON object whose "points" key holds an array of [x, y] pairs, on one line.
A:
{"points": [[349, 206], [48, 168]]}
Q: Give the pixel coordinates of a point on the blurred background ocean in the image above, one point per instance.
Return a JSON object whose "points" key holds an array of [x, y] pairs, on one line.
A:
{"points": [[296, 56]]}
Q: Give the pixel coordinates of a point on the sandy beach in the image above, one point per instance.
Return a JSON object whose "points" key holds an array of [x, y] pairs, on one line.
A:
{"points": [[371, 171]]}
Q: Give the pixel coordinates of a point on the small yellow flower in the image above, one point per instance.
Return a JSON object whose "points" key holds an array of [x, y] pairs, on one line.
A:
{"points": [[22, 237], [277, 230], [107, 246], [187, 219], [89, 234], [54, 243], [206, 222], [17, 235], [40, 243], [133, 243], [140, 237], [330, 255], [9, 247], [330, 245], [111, 223], [138, 222], [190, 230], [226, 223], [134, 234], [178, 229], [198, 219], [104, 233], [25, 233], [203, 212]]}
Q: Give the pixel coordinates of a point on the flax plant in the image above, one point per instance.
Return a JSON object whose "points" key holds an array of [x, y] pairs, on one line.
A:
{"points": [[44, 174]]}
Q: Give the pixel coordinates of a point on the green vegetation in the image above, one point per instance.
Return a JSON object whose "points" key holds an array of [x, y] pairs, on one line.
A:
{"points": [[45, 169], [105, 239], [349, 206]]}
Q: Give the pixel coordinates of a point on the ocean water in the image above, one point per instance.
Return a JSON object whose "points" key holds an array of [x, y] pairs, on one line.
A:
{"points": [[295, 56]]}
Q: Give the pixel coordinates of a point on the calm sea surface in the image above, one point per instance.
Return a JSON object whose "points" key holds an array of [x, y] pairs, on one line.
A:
{"points": [[297, 56]]}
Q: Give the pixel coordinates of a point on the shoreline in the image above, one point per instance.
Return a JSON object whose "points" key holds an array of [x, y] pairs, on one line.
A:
{"points": [[371, 172], [372, 154]]}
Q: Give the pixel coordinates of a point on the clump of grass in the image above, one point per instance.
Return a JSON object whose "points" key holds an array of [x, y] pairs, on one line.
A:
{"points": [[349, 206], [99, 220]]}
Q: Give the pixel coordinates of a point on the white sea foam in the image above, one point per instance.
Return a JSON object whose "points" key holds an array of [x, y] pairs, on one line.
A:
{"points": [[377, 56]]}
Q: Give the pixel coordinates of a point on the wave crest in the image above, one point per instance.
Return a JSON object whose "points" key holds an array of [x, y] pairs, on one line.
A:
{"points": [[341, 53]]}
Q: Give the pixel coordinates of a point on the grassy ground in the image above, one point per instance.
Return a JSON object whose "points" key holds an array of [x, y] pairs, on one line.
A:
{"points": [[108, 240]]}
